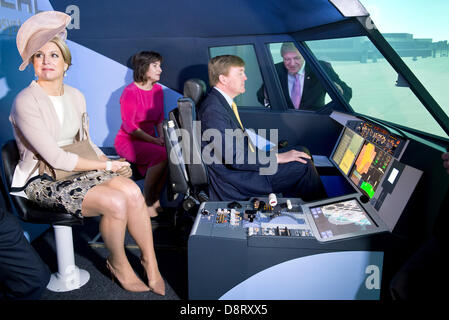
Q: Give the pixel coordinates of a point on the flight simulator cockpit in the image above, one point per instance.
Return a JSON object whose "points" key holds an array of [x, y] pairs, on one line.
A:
{"points": [[335, 247]]}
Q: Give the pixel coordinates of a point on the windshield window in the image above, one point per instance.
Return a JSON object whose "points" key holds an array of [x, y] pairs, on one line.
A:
{"points": [[377, 90], [300, 85], [419, 34]]}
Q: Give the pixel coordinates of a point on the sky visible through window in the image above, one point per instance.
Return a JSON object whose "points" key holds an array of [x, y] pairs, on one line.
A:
{"points": [[427, 25], [424, 19]]}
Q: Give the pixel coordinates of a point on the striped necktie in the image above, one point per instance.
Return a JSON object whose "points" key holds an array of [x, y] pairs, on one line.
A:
{"points": [[236, 112]]}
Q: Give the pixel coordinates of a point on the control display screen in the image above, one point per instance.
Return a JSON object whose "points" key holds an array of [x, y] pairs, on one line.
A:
{"points": [[369, 168], [340, 218], [347, 149], [379, 136]]}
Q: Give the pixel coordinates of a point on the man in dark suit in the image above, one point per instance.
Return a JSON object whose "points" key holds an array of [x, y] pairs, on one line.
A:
{"points": [[301, 88], [23, 275], [235, 172]]}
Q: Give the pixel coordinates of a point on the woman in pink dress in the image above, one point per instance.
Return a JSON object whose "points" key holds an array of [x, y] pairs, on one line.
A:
{"points": [[142, 110]]}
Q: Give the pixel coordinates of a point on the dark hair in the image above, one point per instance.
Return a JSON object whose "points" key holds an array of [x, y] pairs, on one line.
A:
{"points": [[141, 61]]}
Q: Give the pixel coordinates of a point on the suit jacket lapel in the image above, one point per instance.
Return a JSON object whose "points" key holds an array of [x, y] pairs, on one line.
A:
{"points": [[226, 107], [307, 82], [235, 122]]}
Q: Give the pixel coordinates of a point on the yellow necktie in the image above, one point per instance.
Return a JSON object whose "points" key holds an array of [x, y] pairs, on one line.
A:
{"points": [[236, 112]]}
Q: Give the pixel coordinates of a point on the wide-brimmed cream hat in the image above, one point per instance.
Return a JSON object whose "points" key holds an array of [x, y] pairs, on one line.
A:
{"points": [[38, 30]]}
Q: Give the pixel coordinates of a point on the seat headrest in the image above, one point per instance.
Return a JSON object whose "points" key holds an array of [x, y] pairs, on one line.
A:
{"points": [[194, 89]]}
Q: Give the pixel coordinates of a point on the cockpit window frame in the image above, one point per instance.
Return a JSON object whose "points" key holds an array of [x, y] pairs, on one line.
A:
{"points": [[269, 75], [368, 29], [401, 67]]}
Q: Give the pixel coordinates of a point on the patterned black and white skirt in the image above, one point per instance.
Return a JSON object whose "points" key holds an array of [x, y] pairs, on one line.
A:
{"points": [[66, 194]]}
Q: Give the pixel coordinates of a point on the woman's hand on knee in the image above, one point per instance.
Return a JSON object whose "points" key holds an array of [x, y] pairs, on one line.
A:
{"points": [[125, 171], [120, 166]]}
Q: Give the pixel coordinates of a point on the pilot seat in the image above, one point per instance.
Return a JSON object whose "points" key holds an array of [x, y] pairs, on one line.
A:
{"points": [[187, 172]]}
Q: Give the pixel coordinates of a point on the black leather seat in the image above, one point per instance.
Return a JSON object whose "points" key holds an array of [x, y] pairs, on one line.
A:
{"points": [[188, 174], [194, 90], [64, 279], [177, 174], [26, 209]]}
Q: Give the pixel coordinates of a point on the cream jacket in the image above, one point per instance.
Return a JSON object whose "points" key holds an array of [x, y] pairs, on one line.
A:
{"points": [[36, 129]]}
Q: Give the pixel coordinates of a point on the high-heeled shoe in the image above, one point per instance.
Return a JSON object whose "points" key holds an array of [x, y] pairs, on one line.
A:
{"points": [[156, 286], [138, 286]]}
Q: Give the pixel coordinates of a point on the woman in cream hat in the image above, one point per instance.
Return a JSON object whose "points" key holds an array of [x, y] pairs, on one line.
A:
{"points": [[46, 116]]}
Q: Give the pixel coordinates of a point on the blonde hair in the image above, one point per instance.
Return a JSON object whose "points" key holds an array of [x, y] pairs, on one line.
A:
{"points": [[66, 55], [220, 65]]}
